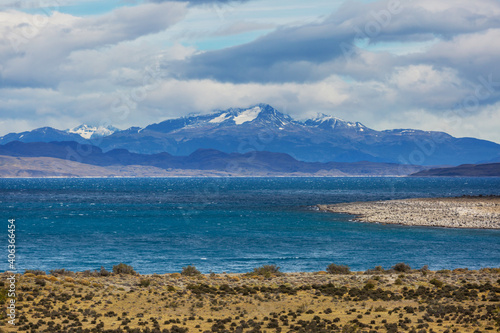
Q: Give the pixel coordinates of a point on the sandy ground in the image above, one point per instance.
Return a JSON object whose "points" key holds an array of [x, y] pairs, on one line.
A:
{"points": [[462, 212], [371, 301]]}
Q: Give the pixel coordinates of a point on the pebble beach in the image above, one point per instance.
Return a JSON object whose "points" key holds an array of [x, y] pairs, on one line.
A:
{"points": [[460, 212]]}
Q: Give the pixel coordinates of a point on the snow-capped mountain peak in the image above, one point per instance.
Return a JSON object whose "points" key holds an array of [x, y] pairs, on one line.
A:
{"points": [[220, 119], [247, 115], [87, 132], [261, 113], [326, 121]]}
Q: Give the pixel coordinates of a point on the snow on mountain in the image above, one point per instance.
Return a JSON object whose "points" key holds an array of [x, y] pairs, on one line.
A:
{"points": [[219, 119], [260, 115], [247, 115], [87, 132], [320, 139], [325, 121]]}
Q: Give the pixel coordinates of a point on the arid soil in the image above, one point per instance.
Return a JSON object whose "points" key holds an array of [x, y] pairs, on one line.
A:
{"points": [[371, 301], [462, 212]]}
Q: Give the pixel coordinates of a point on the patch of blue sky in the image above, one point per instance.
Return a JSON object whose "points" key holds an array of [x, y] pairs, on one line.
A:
{"points": [[72, 7], [222, 42], [282, 12], [397, 48], [88, 8], [209, 27]]}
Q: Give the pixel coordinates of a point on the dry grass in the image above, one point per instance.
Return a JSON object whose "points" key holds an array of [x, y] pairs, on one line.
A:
{"points": [[467, 301]]}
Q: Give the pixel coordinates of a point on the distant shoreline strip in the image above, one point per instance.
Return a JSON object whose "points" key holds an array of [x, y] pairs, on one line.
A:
{"points": [[462, 212]]}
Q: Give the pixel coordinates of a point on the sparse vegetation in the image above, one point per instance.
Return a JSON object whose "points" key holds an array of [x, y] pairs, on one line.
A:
{"points": [[338, 269], [35, 272], [145, 283], [122, 268], [370, 284], [190, 271], [466, 301], [401, 267], [104, 272], [61, 272], [266, 271], [436, 282]]}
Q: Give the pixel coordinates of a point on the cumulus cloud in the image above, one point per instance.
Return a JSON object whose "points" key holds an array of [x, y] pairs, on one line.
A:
{"points": [[36, 46], [296, 53]]}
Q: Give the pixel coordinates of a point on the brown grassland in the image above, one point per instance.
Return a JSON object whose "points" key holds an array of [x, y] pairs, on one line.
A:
{"points": [[396, 300]]}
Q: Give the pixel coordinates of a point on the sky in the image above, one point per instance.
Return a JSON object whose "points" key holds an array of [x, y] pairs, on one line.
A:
{"points": [[426, 64]]}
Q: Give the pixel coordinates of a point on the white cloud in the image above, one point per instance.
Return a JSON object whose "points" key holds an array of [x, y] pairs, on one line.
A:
{"points": [[36, 46], [62, 70]]}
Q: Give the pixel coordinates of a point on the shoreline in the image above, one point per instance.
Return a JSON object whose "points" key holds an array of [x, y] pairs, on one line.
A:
{"points": [[480, 212]]}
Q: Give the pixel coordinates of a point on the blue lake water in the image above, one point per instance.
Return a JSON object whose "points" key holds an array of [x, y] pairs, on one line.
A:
{"points": [[232, 225]]}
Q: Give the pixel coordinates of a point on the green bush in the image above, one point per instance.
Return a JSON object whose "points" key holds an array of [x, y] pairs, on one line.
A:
{"points": [[444, 272], [122, 268], [424, 270], [62, 272], [401, 267], [376, 270], [338, 269], [40, 282], [3, 295], [190, 271], [398, 282], [104, 272], [266, 270], [34, 271], [145, 282], [350, 328], [436, 282], [370, 284]]}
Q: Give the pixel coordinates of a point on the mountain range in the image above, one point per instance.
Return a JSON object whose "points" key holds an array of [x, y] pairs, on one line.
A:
{"points": [[72, 159], [263, 128], [465, 170]]}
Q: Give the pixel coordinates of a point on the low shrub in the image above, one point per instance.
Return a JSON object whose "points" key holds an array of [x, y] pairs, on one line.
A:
{"points": [[424, 270], [145, 283], [350, 328], [104, 272], [3, 295], [370, 284], [444, 272], [266, 270], [35, 272], [401, 267], [338, 269], [40, 282], [61, 272], [436, 282], [190, 271], [122, 268]]}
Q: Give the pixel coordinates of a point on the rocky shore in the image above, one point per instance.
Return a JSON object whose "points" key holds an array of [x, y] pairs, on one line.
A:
{"points": [[481, 212]]}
